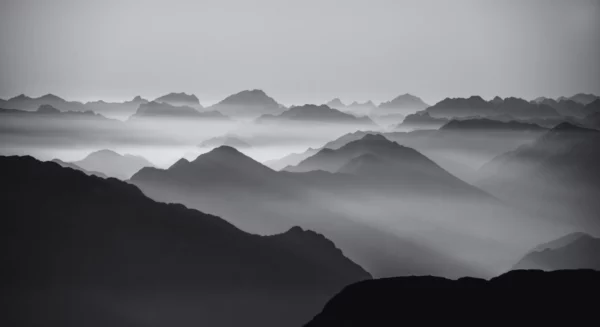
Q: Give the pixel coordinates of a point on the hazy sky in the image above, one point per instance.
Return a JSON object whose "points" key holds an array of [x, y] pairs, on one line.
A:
{"points": [[299, 51]]}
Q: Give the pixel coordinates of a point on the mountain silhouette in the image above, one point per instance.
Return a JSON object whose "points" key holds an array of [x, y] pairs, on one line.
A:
{"points": [[120, 110], [592, 107], [256, 198], [248, 104], [461, 107], [556, 175], [113, 164], [428, 300], [573, 251], [489, 124], [75, 167], [375, 159], [565, 107], [86, 251], [24, 102], [291, 159], [403, 104], [315, 113], [180, 99], [159, 109], [475, 106], [47, 111], [227, 140], [336, 104], [422, 120], [522, 109], [360, 109], [584, 98]]}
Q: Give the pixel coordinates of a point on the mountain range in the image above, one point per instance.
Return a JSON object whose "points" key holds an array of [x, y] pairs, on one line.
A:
{"points": [[555, 175], [87, 251], [165, 110], [226, 140], [248, 104], [112, 164], [572, 251], [314, 113], [48, 111], [258, 199], [180, 99], [403, 104], [476, 106]]}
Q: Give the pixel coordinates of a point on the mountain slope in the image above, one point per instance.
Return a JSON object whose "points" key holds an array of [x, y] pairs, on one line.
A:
{"points": [[180, 99], [314, 113], [490, 125], [248, 104], [164, 110], [24, 102], [113, 164], [120, 110], [227, 140], [85, 251], [431, 300], [403, 104], [258, 199], [556, 175], [374, 158], [573, 251], [75, 167]]}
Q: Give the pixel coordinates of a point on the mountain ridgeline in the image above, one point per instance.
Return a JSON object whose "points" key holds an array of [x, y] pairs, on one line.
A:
{"points": [[99, 244]]}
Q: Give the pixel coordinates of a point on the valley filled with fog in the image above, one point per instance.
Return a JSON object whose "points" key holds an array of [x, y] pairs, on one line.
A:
{"points": [[397, 196]]}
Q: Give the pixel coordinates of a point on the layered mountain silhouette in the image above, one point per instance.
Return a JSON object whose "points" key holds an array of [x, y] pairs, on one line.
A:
{"points": [[476, 106], [422, 120], [227, 140], [432, 300], [164, 110], [75, 167], [375, 158], [572, 251], [113, 164], [489, 125], [360, 109], [180, 99], [557, 174], [120, 110], [315, 113], [256, 198], [584, 98], [291, 159], [565, 107], [402, 104], [248, 104], [24, 102], [86, 251], [336, 104], [48, 111], [592, 107]]}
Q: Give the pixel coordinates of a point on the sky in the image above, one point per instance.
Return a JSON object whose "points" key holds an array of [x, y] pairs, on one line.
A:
{"points": [[299, 51]]}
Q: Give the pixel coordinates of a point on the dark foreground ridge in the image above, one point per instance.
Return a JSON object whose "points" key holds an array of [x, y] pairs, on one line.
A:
{"points": [[513, 298], [81, 250]]}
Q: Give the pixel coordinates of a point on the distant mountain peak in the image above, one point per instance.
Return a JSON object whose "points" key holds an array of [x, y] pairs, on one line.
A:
{"points": [[335, 103], [50, 96], [20, 97], [374, 137], [179, 98], [569, 127], [47, 109]]}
